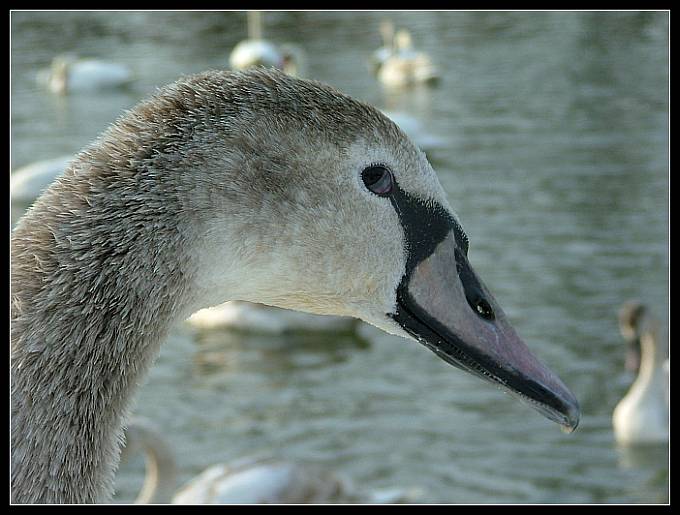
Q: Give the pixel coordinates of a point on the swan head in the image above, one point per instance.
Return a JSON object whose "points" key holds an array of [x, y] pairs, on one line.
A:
{"points": [[403, 40], [293, 59], [632, 315], [297, 196]]}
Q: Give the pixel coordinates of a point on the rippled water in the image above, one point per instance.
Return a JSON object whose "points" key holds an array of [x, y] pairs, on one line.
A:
{"points": [[557, 163]]}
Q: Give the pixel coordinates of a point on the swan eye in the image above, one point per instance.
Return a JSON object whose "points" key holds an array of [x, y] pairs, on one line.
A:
{"points": [[378, 179]]}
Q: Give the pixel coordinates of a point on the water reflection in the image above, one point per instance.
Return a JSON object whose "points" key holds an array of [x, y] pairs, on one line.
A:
{"points": [[225, 351]]}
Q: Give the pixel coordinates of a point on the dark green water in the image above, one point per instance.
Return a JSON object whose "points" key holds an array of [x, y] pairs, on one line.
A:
{"points": [[557, 163]]}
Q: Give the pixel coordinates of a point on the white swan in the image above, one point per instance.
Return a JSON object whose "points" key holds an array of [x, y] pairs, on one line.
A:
{"points": [[231, 186], [280, 482], [405, 66], [256, 51], [243, 481], [70, 74], [641, 417], [27, 182], [252, 317]]}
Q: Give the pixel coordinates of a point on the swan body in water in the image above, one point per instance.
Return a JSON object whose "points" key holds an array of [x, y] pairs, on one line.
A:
{"points": [[641, 417], [280, 482], [70, 74], [222, 186], [243, 481], [256, 51], [27, 182]]}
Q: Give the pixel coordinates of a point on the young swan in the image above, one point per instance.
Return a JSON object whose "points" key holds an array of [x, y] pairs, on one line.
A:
{"points": [[231, 186]]}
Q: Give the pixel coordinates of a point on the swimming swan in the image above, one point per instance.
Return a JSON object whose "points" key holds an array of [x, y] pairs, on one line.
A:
{"points": [[280, 482], [406, 67], [265, 483], [70, 74], [256, 51], [231, 186], [242, 481], [641, 417]]}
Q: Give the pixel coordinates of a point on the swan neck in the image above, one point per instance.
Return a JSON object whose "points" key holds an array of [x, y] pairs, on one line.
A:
{"points": [[87, 322], [254, 25], [651, 373], [161, 472]]}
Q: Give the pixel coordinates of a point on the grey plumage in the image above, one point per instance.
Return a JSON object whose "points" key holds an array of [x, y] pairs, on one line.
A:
{"points": [[111, 254]]}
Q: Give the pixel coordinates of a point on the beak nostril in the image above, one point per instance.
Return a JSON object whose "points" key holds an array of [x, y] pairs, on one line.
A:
{"points": [[483, 309]]}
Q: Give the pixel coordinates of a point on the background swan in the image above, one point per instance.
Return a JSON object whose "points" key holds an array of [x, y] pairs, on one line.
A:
{"points": [[211, 190], [265, 483], [280, 482], [257, 51], [27, 182], [71, 74], [243, 481], [641, 417], [405, 66]]}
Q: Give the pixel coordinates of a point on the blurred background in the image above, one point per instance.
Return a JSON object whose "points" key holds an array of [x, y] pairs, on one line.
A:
{"points": [[548, 130]]}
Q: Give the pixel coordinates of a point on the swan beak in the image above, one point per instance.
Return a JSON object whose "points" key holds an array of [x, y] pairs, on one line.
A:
{"points": [[445, 306]]}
